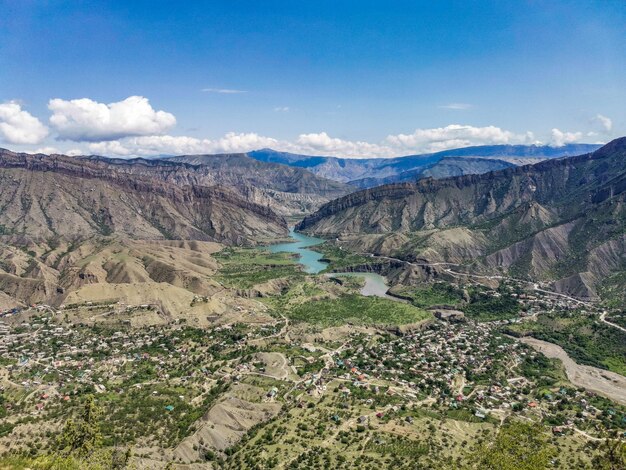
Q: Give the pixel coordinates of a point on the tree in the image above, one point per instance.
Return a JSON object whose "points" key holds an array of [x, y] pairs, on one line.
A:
{"points": [[83, 436], [518, 446], [612, 454]]}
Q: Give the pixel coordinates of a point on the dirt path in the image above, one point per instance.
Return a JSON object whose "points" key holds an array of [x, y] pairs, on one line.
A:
{"points": [[602, 382], [614, 325]]}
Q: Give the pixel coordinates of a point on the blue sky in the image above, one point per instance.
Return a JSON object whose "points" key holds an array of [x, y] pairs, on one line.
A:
{"points": [[351, 78]]}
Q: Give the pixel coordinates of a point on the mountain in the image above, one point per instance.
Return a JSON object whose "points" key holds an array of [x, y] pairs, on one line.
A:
{"points": [[287, 191], [135, 231], [562, 220], [43, 196], [443, 168], [362, 172]]}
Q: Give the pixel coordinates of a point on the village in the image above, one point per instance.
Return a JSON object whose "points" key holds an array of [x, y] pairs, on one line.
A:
{"points": [[455, 366]]}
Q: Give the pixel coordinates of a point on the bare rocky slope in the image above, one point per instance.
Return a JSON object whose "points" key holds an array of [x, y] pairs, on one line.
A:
{"points": [[562, 220], [289, 191], [87, 229], [45, 196]]}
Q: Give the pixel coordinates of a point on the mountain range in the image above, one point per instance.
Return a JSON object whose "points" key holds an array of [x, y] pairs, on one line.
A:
{"points": [[370, 172], [561, 220], [71, 222]]}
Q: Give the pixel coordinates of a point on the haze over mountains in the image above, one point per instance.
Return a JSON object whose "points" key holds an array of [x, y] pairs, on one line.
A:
{"points": [[561, 220], [370, 172]]}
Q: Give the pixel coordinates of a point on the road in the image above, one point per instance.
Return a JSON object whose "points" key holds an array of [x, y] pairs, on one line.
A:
{"points": [[614, 325], [478, 276]]}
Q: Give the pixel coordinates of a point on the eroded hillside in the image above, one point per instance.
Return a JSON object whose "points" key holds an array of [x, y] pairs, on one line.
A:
{"points": [[560, 219]]}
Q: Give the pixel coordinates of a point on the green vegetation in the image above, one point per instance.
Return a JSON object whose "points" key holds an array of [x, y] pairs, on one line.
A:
{"points": [[398, 446], [439, 293], [246, 267], [612, 290], [356, 309], [543, 371], [339, 258], [78, 447], [585, 339], [612, 453], [619, 318], [484, 306], [518, 446]]}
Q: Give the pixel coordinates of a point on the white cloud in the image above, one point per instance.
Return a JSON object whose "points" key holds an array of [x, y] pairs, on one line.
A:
{"points": [[421, 141], [18, 126], [282, 109], [456, 106], [87, 120], [560, 138], [454, 136], [178, 145], [45, 150], [323, 143], [224, 91], [605, 124]]}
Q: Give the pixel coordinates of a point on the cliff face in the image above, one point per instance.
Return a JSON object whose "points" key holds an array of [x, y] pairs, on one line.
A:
{"points": [[288, 191], [57, 196], [544, 220]]}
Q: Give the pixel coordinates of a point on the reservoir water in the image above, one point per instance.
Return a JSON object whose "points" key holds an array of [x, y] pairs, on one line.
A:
{"points": [[375, 284], [310, 259]]}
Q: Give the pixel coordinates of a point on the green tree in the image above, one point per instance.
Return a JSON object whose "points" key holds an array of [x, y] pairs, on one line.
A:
{"points": [[518, 446], [83, 436], [612, 454]]}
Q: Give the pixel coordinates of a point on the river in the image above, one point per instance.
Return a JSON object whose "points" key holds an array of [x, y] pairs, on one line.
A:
{"points": [[309, 259], [375, 284]]}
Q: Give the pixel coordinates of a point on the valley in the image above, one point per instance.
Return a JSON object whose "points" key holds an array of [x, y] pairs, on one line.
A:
{"points": [[219, 337], [289, 235]]}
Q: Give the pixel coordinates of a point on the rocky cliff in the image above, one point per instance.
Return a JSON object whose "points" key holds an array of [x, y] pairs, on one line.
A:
{"points": [[45, 196]]}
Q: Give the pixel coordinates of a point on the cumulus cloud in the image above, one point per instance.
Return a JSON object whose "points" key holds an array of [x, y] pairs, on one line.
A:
{"points": [[18, 126], [46, 150], [178, 145], [87, 120], [323, 143], [454, 136], [604, 123], [456, 106], [224, 91], [237, 142], [560, 138]]}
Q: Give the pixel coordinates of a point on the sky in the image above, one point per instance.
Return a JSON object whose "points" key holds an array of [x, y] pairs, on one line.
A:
{"points": [[346, 78]]}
